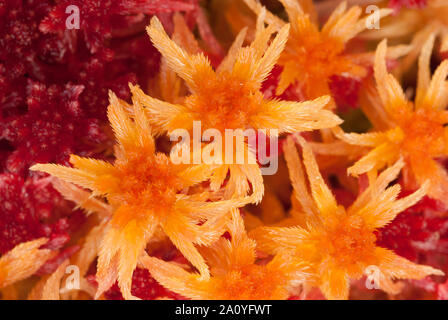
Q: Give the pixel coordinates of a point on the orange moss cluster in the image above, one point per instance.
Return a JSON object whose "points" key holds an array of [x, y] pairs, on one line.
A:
{"points": [[243, 235], [339, 243], [417, 130]]}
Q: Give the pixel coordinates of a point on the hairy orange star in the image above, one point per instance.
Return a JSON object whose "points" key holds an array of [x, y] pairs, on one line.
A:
{"points": [[338, 243], [313, 56], [235, 275], [146, 191], [230, 97], [416, 130]]}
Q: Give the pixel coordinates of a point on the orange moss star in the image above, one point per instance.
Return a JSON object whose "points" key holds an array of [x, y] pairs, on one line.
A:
{"points": [[230, 98], [338, 243], [146, 191], [311, 55], [416, 131], [235, 275]]}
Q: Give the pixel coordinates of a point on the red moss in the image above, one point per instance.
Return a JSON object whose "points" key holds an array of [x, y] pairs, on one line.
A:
{"points": [[99, 18], [412, 4], [442, 291], [345, 91], [53, 127], [144, 287], [31, 209], [415, 232]]}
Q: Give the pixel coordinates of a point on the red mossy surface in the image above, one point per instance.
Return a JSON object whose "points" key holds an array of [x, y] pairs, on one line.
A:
{"points": [[416, 232], [345, 91], [101, 18], [413, 4], [144, 287], [30, 209], [53, 127]]}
